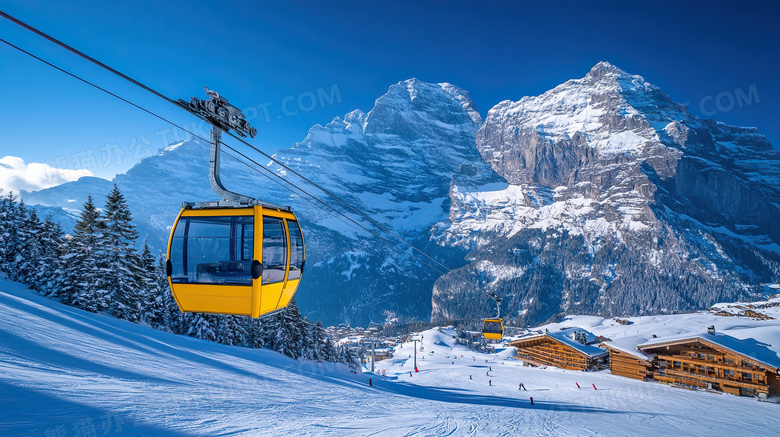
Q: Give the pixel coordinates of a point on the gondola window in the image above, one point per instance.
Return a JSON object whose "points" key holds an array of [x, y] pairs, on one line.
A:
{"points": [[213, 250], [274, 250], [296, 250]]}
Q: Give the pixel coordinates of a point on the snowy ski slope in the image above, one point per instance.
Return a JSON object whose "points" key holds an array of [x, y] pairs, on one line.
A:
{"points": [[65, 372]]}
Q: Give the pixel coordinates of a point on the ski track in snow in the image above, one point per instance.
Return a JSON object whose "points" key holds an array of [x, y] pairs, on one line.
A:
{"points": [[66, 372]]}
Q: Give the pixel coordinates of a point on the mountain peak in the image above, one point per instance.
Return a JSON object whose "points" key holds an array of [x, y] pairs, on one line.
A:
{"points": [[605, 67]]}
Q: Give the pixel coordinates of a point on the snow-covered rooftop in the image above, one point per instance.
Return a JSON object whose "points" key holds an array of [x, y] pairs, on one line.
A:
{"points": [[568, 336], [749, 347], [628, 345]]}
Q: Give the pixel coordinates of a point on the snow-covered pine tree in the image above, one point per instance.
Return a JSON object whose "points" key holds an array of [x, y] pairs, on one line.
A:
{"points": [[345, 355], [307, 346], [9, 228], [80, 269], [3, 228], [289, 332], [150, 300], [202, 326], [29, 248], [122, 263], [50, 240], [330, 350], [231, 331], [279, 334], [254, 332], [3, 232], [324, 349]]}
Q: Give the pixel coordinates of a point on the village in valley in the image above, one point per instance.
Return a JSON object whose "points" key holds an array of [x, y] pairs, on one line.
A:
{"points": [[730, 348]]}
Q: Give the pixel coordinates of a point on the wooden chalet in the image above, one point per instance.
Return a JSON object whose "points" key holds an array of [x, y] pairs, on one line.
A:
{"points": [[629, 363], [713, 361], [571, 348]]}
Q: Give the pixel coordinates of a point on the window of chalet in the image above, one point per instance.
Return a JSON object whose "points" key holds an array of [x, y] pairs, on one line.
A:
{"points": [[710, 358], [677, 364], [728, 361], [728, 373], [747, 364], [746, 376]]}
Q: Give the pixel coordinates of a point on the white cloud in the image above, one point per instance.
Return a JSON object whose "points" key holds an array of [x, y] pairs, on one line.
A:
{"points": [[15, 175]]}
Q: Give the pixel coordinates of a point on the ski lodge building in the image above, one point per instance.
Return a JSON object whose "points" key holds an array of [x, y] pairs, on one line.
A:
{"points": [[625, 360], [711, 361], [570, 348]]}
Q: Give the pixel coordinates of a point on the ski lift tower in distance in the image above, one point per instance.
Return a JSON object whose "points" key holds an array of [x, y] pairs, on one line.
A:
{"points": [[415, 339], [493, 328], [238, 255], [373, 341]]}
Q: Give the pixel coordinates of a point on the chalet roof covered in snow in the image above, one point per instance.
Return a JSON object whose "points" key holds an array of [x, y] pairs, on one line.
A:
{"points": [[628, 345], [748, 347], [570, 337]]}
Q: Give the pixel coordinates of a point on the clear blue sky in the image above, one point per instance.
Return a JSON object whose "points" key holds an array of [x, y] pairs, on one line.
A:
{"points": [[261, 53]]}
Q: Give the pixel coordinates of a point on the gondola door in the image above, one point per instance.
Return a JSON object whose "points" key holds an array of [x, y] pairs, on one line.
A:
{"points": [[282, 260], [295, 255], [273, 252]]}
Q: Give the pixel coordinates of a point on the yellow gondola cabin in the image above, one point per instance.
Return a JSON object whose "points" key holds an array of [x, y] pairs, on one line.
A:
{"points": [[216, 265]]}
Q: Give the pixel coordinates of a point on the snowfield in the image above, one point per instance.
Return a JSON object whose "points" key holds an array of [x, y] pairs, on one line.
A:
{"points": [[66, 372]]}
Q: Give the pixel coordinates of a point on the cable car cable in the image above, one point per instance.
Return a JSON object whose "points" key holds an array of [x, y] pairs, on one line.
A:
{"points": [[226, 145], [83, 55], [162, 96], [96, 86]]}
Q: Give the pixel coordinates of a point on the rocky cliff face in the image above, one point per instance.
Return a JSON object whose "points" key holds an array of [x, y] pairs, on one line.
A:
{"points": [[614, 200], [394, 163]]}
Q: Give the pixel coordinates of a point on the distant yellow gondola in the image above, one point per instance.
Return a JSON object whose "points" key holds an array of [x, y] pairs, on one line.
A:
{"points": [[493, 329]]}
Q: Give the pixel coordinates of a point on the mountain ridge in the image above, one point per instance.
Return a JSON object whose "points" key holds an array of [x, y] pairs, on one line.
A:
{"points": [[601, 195], [606, 167]]}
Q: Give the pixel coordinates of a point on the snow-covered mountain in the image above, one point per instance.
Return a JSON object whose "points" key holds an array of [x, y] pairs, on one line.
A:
{"points": [[602, 196]]}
